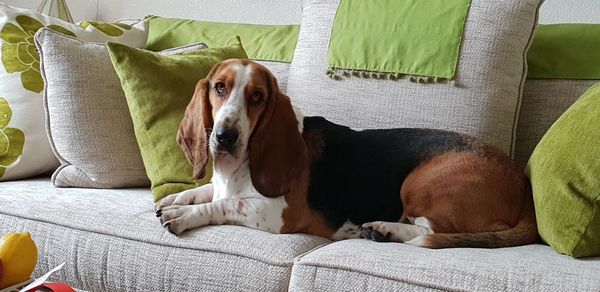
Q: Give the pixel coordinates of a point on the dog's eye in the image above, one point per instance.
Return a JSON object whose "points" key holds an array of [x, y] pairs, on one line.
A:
{"points": [[220, 88], [257, 97]]}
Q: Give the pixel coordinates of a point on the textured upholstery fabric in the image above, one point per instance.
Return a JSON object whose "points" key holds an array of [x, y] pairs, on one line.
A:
{"points": [[544, 100], [368, 266], [99, 150], [483, 103], [112, 241], [280, 70]]}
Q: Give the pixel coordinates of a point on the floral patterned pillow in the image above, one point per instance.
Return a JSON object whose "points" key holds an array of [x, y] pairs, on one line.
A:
{"points": [[24, 147]]}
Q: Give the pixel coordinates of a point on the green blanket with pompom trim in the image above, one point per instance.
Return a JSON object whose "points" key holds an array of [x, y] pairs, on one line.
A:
{"points": [[391, 38]]}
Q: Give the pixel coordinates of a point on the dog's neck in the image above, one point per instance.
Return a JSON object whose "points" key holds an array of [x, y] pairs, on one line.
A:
{"points": [[231, 175], [227, 165]]}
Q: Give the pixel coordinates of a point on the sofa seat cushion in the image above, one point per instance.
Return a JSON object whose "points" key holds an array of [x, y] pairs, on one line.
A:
{"points": [[370, 266], [112, 241]]}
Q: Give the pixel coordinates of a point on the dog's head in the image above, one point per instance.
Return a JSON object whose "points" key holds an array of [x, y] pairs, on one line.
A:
{"points": [[239, 113]]}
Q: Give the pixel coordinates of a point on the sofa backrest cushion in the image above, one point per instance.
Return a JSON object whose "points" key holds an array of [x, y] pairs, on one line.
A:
{"points": [[483, 102], [544, 100], [563, 63]]}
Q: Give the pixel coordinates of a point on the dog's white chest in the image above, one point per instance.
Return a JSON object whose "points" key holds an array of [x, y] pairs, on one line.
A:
{"points": [[260, 212], [238, 185]]}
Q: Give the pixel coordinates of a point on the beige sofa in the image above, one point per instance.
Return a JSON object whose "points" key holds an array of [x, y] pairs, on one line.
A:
{"points": [[112, 241]]}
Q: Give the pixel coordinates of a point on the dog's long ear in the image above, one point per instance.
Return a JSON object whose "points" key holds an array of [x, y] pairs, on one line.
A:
{"points": [[192, 134], [277, 150]]}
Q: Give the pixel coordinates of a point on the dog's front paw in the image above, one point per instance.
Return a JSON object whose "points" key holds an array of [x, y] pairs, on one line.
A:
{"points": [[375, 231], [164, 202], [194, 196], [178, 219]]}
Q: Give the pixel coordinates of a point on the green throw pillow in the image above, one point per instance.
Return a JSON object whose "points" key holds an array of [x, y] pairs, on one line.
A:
{"points": [[565, 175], [565, 51], [261, 42], [158, 89]]}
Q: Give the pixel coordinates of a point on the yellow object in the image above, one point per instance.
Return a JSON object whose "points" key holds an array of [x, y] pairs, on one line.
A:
{"points": [[18, 255]]}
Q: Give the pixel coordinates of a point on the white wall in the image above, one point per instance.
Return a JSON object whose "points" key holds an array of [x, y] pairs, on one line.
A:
{"points": [[558, 11], [80, 9], [244, 11], [267, 11]]}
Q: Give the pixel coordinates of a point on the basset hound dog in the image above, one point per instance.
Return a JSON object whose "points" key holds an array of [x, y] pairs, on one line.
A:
{"points": [[277, 171]]}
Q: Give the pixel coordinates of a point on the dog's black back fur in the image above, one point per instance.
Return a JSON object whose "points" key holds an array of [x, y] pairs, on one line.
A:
{"points": [[359, 174]]}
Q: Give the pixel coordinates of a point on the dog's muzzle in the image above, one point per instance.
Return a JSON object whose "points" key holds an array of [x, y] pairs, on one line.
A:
{"points": [[226, 139]]}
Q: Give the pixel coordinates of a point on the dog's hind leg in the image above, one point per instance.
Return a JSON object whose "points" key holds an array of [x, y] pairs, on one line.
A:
{"points": [[395, 231]]}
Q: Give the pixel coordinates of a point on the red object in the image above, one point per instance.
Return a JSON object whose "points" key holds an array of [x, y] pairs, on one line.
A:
{"points": [[55, 287]]}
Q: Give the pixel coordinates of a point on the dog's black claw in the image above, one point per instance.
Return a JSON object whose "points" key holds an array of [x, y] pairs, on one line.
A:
{"points": [[159, 213], [365, 234], [377, 236], [168, 226], [387, 237]]}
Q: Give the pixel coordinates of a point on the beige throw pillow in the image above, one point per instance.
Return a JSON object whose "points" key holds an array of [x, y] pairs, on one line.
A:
{"points": [[87, 117]]}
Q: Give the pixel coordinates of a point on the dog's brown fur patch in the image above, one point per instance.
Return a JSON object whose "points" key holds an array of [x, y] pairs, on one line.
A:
{"points": [[298, 217], [477, 199]]}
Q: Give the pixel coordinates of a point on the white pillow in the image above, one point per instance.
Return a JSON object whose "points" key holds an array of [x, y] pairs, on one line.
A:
{"points": [[24, 147]]}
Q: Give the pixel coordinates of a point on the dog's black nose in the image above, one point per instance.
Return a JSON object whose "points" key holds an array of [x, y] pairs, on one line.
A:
{"points": [[227, 137]]}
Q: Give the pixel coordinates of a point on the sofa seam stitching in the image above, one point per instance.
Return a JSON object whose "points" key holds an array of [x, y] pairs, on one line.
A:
{"points": [[519, 106], [41, 33], [407, 281], [300, 256]]}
